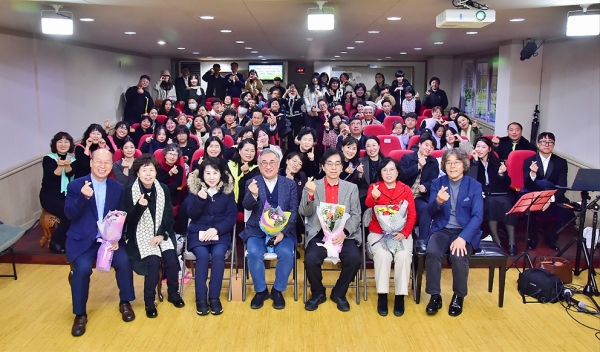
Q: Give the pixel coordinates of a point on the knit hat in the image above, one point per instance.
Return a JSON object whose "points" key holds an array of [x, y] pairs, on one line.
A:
{"points": [[165, 73]]}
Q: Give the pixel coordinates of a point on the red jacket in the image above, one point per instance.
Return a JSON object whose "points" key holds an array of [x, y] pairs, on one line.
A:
{"points": [[393, 196]]}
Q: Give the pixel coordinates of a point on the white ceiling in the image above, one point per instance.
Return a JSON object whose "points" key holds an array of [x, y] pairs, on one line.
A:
{"points": [[277, 28]]}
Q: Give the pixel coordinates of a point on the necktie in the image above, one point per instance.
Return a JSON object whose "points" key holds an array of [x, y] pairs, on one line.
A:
{"points": [[514, 146]]}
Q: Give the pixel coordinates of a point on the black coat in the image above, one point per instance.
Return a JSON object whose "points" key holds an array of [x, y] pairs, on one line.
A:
{"points": [[497, 183], [136, 105], [438, 98], [505, 147], [180, 88], [409, 166], [556, 174], [399, 95], [216, 86]]}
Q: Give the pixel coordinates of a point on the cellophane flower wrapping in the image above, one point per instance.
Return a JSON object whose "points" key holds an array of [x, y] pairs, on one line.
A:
{"points": [[272, 222], [111, 230], [391, 218], [333, 218]]}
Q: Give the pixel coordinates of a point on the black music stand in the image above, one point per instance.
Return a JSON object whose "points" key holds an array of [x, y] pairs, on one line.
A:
{"points": [[532, 201]]}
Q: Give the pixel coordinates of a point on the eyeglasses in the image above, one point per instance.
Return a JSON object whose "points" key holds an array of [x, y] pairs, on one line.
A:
{"points": [[453, 163], [269, 163], [389, 171], [333, 164], [102, 163], [296, 162], [173, 155], [546, 142]]}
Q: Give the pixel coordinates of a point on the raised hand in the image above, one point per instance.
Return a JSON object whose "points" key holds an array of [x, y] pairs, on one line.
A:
{"points": [[310, 186], [502, 169], [375, 192], [495, 140], [422, 189], [140, 90], [442, 195], [349, 169], [233, 125], [422, 162], [202, 193], [86, 190], [88, 143], [169, 141], [417, 96], [173, 170], [102, 143], [148, 139], [143, 201], [361, 170], [60, 162], [245, 168], [474, 124], [475, 155], [326, 125], [428, 93], [68, 161], [534, 167], [253, 188], [125, 164], [311, 155], [106, 124]]}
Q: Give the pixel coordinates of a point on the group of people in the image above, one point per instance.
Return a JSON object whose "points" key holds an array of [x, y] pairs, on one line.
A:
{"points": [[170, 188]]}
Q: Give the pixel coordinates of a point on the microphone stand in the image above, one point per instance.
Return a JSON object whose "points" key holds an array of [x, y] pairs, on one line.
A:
{"points": [[591, 288]]}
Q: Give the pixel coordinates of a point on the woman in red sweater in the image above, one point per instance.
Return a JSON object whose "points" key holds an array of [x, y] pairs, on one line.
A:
{"points": [[390, 191]]}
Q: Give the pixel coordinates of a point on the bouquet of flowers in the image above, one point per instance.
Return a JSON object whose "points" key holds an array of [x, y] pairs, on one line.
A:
{"points": [[332, 217], [111, 229], [272, 222], [391, 218]]}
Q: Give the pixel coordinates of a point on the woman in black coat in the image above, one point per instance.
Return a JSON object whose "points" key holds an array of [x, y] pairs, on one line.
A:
{"points": [[495, 181], [58, 170], [170, 172], [149, 232], [292, 169], [366, 173], [94, 137], [144, 128], [212, 210]]}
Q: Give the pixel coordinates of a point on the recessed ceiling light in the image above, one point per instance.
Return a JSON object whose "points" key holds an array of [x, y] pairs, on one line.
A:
{"points": [[438, 43], [260, 56], [209, 57], [517, 19], [196, 53], [388, 57], [161, 42], [218, 59], [402, 53], [207, 17], [239, 42], [248, 48], [471, 32], [373, 32], [394, 18], [343, 52], [130, 33], [87, 19], [225, 30], [337, 56], [379, 59], [181, 48], [418, 48], [254, 52], [332, 59], [264, 59], [309, 39], [350, 47], [359, 41]]}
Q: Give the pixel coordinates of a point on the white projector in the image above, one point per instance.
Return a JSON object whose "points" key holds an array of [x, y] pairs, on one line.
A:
{"points": [[465, 18]]}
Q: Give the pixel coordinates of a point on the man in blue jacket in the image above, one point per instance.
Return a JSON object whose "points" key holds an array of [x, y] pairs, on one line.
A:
{"points": [[88, 200], [456, 207]]}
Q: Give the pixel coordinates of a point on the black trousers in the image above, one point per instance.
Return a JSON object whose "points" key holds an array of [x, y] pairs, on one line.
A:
{"points": [[314, 256], [171, 268]]}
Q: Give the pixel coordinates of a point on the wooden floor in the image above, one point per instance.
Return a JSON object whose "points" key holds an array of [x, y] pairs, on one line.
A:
{"points": [[36, 316]]}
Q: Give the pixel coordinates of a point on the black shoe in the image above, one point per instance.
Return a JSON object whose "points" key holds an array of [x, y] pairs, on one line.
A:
{"points": [[216, 307], [151, 311], [78, 328], [435, 304], [176, 300], [382, 304], [552, 245], [297, 254], [512, 250], [56, 248], [420, 246], [314, 301], [456, 306], [278, 300], [342, 302], [202, 308], [531, 244], [259, 299], [399, 305]]}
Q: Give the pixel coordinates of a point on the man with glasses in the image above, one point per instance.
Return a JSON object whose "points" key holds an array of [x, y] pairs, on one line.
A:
{"points": [[356, 131], [546, 171], [331, 189], [278, 192], [456, 206], [89, 199]]}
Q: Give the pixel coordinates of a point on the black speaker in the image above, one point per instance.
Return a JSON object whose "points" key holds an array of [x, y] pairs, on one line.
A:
{"points": [[528, 51]]}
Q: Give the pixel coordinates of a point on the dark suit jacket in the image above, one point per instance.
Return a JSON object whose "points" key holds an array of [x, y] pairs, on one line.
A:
{"points": [[234, 89], [469, 208], [84, 215], [505, 147], [216, 86], [180, 89], [556, 174], [287, 199], [409, 167], [381, 116]]}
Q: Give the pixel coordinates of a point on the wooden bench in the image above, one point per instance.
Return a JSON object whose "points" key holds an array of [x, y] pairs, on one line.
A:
{"points": [[9, 235], [491, 255], [47, 222]]}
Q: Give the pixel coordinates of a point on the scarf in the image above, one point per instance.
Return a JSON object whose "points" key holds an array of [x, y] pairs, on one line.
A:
{"points": [[166, 168], [147, 227], [410, 105], [237, 176], [466, 134], [64, 180]]}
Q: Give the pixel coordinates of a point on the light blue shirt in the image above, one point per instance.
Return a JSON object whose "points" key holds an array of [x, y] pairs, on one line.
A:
{"points": [[100, 196]]}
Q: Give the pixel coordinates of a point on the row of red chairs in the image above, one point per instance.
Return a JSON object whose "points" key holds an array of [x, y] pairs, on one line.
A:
{"points": [[227, 140]]}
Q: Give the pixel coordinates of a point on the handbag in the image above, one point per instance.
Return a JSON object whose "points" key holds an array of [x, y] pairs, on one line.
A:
{"points": [[539, 284], [557, 266]]}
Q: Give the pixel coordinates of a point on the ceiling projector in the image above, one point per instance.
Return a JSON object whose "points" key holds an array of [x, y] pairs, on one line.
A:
{"points": [[465, 18]]}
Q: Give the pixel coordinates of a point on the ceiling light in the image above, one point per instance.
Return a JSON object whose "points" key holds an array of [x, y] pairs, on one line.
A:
{"points": [[379, 59], [225, 30], [207, 17], [248, 48], [57, 22], [388, 57], [161, 42], [263, 59], [209, 57], [87, 19], [332, 59], [517, 19], [394, 18], [438, 43], [181, 48], [343, 52], [350, 47], [309, 39], [260, 56], [318, 19], [196, 53], [418, 48], [471, 32], [130, 33], [337, 56], [583, 22], [373, 32], [359, 41], [254, 52]]}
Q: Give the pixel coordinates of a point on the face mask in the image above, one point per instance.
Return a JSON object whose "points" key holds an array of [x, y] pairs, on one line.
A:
{"points": [[192, 106], [242, 111]]}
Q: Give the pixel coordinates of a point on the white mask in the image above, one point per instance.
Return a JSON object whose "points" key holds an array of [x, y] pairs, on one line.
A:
{"points": [[192, 106], [242, 111]]}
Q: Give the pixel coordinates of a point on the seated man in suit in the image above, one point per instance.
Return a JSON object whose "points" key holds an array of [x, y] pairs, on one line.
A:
{"points": [[456, 206], [546, 171], [88, 200], [417, 171], [386, 107], [331, 189], [278, 191], [513, 141]]}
